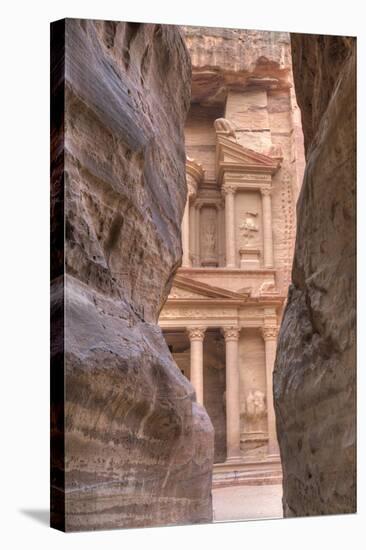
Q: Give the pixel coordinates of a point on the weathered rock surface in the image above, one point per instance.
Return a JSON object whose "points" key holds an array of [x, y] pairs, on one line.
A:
{"points": [[236, 59], [138, 449], [315, 373]]}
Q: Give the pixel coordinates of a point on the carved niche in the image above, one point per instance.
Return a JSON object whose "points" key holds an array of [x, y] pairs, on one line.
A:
{"points": [[249, 228], [254, 413], [249, 234]]}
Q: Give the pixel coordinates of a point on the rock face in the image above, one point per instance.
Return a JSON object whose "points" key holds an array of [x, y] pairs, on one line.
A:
{"points": [[132, 447], [315, 373], [236, 59]]}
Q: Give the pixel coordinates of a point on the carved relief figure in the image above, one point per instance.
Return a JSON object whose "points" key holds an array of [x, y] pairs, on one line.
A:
{"points": [[208, 237], [224, 126], [248, 228], [209, 240], [267, 287], [255, 408]]}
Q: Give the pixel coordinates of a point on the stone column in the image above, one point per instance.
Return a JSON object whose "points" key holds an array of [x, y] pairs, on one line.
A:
{"points": [[270, 342], [267, 227], [185, 236], [192, 233], [231, 335], [222, 253], [197, 236], [196, 336], [229, 193]]}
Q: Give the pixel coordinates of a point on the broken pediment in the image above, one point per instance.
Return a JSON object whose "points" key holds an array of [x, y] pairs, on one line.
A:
{"points": [[233, 157]]}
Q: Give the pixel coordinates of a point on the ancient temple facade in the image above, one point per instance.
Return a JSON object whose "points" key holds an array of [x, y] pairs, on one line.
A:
{"points": [[244, 170]]}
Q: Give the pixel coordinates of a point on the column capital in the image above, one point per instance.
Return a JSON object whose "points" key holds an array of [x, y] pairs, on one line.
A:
{"points": [[196, 333], [228, 189], [230, 333], [266, 191], [269, 333]]}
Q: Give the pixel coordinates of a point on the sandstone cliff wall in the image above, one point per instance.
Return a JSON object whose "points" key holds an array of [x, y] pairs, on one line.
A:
{"points": [[315, 373], [134, 448]]}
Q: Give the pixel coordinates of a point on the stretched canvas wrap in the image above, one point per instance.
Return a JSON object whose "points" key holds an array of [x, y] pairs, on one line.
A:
{"points": [[203, 275]]}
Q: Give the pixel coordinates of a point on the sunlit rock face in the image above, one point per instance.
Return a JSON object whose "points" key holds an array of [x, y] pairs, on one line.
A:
{"points": [[315, 373], [138, 448]]}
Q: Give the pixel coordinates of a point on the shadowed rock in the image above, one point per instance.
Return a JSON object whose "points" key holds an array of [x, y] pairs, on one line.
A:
{"points": [[137, 448], [315, 371]]}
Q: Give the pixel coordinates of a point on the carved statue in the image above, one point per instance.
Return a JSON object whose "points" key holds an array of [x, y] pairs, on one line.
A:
{"points": [[209, 240], [224, 126], [255, 407], [267, 286], [275, 151], [248, 227]]}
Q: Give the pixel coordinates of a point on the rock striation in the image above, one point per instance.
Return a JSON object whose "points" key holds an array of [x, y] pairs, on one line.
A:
{"points": [[315, 369], [132, 447], [236, 59]]}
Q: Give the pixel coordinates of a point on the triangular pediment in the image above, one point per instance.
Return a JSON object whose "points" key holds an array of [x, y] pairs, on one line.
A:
{"points": [[186, 289], [230, 155]]}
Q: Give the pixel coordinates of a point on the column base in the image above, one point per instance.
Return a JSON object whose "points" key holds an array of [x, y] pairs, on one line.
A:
{"points": [[209, 263], [249, 258], [273, 455], [234, 459]]}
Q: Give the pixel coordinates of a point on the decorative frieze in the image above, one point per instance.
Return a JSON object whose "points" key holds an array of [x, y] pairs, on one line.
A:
{"points": [[199, 313]]}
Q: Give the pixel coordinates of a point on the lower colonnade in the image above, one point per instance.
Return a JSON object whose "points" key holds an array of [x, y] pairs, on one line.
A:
{"points": [[233, 398]]}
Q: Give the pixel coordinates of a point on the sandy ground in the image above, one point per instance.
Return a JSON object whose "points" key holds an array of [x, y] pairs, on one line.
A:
{"points": [[247, 502]]}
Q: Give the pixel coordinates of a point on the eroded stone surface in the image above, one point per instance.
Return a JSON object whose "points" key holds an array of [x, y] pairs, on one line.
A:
{"points": [[236, 59], [138, 448], [315, 374]]}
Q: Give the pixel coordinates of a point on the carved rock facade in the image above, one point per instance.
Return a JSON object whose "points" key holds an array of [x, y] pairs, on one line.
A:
{"points": [[315, 371], [137, 448], [244, 166]]}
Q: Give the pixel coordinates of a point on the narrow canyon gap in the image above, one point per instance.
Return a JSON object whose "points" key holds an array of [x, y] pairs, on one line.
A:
{"points": [[315, 369]]}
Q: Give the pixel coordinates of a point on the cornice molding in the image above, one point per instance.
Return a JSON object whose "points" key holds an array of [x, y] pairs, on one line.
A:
{"points": [[207, 291]]}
